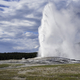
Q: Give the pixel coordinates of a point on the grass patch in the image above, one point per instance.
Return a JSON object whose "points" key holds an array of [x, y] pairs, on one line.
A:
{"points": [[7, 74], [4, 65], [21, 75], [69, 75], [8, 65], [65, 78], [49, 78], [38, 78], [62, 65], [16, 65]]}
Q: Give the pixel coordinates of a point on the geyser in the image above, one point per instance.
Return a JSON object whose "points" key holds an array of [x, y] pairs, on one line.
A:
{"points": [[59, 33]]}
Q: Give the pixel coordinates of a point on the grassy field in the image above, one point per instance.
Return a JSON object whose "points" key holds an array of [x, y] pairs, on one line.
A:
{"points": [[9, 65], [47, 72]]}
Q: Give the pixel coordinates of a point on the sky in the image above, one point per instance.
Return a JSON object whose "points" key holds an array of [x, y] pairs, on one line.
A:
{"points": [[19, 23]]}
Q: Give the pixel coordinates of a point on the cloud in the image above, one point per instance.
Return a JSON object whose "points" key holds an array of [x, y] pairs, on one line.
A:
{"points": [[19, 22]]}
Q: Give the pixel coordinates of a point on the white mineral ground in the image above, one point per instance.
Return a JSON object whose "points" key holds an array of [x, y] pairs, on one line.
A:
{"points": [[40, 61]]}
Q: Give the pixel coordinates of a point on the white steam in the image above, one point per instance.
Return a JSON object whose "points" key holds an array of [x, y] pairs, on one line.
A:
{"points": [[59, 33]]}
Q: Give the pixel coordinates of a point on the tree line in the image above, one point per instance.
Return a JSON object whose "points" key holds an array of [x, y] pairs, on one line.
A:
{"points": [[17, 55]]}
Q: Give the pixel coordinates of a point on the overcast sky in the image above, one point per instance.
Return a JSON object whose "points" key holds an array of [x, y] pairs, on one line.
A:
{"points": [[19, 22]]}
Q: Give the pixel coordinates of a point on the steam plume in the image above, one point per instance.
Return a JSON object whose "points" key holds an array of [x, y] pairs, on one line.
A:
{"points": [[59, 33]]}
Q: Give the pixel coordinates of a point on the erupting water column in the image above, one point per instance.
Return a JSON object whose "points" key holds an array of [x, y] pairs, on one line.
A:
{"points": [[59, 33]]}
